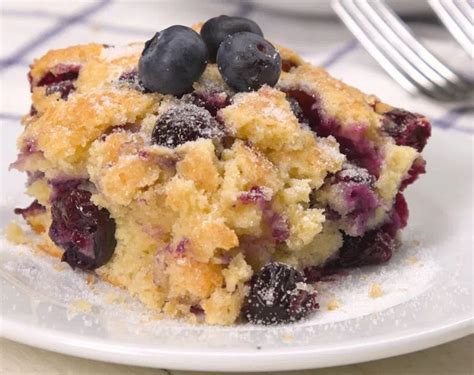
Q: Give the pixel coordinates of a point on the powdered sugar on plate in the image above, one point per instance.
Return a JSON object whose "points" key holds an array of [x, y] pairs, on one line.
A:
{"points": [[409, 274]]}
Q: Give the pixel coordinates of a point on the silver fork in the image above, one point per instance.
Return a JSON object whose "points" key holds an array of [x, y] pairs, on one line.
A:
{"points": [[392, 44], [457, 17]]}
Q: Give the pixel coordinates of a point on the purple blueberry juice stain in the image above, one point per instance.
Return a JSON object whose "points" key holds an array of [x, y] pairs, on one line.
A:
{"points": [[180, 250], [84, 231], [407, 128], [356, 200], [63, 185], [33, 177], [418, 168], [361, 202], [258, 250], [277, 224], [254, 195], [60, 73], [372, 248], [355, 174], [181, 247], [213, 102], [28, 148], [287, 65], [33, 209], [297, 111], [353, 143], [398, 217], [64, 88], [127, 127], [197, 310], [61, 78], [130, 78], [326, 272]]}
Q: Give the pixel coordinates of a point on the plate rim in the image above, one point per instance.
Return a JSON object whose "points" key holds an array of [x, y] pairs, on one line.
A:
{"points": [[282, 359]]}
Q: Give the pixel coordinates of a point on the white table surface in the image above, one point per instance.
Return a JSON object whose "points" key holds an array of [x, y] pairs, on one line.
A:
{"points": [[456, 357], [24, 30]]}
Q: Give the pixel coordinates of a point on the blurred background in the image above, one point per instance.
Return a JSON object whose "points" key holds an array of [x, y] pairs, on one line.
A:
{"points": [[30, 28]]}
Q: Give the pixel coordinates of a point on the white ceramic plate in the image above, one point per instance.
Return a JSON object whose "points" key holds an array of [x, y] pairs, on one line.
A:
{"points": [[427, 285]]}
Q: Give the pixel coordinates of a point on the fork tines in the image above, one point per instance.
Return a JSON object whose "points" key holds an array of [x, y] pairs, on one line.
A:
{"points": [[391, 43], [457, 17]]}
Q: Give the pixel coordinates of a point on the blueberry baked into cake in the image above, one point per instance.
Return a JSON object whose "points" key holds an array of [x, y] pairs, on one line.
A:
{"points": [[211, 174]]}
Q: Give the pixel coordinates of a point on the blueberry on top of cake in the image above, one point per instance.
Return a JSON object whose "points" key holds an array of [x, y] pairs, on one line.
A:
{"points": [[211, 173]]}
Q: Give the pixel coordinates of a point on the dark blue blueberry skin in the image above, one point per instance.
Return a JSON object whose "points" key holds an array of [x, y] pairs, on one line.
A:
{"points": [[275, 297], [84, 231], [246, 62], [217, 29], [172, 60]]}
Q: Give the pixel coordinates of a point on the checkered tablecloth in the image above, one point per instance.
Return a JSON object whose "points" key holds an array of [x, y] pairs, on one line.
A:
{"points": [[30, 28]]}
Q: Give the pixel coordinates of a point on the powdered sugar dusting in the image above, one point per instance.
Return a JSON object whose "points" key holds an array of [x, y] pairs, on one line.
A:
{"points": [[117, 52], [183, 123], [330, 149]]}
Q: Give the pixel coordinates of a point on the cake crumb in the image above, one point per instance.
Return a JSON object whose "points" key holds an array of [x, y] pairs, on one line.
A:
{"points": [[111, 297], [415, 243], [287, 337], [60, 266], [15, 234], [375, 291], [333, 305], [412, 260], [90, 279], [81, 305]]}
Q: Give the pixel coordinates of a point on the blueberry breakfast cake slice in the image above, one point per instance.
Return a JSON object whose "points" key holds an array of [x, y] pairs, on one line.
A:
{"points": [[211, 174]]}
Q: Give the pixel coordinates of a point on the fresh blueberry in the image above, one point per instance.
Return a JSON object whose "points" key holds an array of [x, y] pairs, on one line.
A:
{"points": [[246, 62], [217, 29], [278, 294], [184, 123], [172, 60], [85, 231]]}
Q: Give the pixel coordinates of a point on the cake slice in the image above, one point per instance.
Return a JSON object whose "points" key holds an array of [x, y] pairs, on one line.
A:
{"points": [[212, 175]]}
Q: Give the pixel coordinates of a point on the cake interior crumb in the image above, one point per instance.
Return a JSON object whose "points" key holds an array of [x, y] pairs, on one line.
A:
{"points": [[375, 291], [333, 305], [412, 260], [81, 305]]}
